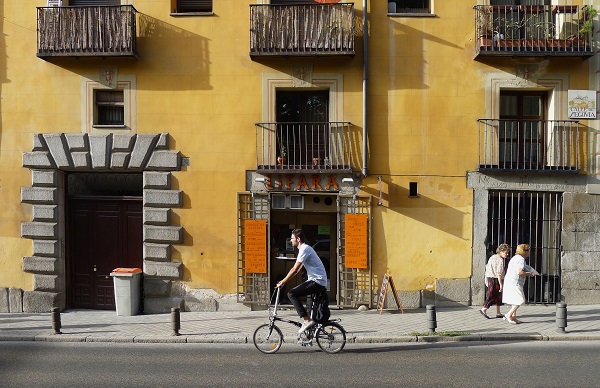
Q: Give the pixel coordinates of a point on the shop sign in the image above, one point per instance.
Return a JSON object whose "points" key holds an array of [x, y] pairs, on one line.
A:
{"points": [[255, 246], [582, 104], [356, 241], [301, 182]]}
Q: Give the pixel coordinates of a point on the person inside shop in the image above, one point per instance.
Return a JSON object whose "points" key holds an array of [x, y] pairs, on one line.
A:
{"points": [[316, 281]]}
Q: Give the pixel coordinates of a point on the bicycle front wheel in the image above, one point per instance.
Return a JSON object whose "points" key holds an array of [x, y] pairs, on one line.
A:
{"points": [[331, 337], [267, 338]]}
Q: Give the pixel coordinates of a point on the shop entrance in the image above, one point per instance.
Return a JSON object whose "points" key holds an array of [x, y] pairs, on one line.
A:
{"points": [[321, 233]]}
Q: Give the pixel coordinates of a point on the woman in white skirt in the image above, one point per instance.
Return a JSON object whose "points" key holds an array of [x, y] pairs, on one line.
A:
{"points": [[513, 282]]}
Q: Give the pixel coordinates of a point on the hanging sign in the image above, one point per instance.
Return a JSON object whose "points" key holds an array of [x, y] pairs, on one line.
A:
{"points": [[356, 241], [582, 104], [256, 246], [388, 281]]}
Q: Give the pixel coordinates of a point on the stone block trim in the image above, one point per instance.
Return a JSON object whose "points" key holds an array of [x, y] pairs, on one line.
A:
{"points": [[157, 180], [123, 142], [39, 302], [163, 234], [452, 292], [46, 283], [48, 248], [157, 252], [40, 230], [40, 264], [81, 160], [141, 151], [119, 160], [15, 300], [156, 216], [44, 195], [163, 198], [58, 148], [172, 270], [44, 178], [157, 287], [76, 141], [165, 160], [99, 150], [38, 159], [4, 306], [45, 212]]}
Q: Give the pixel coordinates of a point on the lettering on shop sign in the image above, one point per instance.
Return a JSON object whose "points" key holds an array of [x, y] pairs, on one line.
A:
{"points": [[255, 246], [301, 182], [356, 241]]}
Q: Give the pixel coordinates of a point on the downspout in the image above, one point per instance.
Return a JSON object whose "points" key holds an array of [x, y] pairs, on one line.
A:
{"points": [[364, 84]]}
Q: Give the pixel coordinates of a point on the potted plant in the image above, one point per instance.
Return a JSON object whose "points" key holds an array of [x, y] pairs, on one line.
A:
{"points": [[282, 157], [585, 23], [485, 26]]}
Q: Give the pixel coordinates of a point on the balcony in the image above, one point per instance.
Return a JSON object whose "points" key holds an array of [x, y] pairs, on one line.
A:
{"points": [[533, 30], [103, 31], [304, 147], [301, 30], [529, 145]]}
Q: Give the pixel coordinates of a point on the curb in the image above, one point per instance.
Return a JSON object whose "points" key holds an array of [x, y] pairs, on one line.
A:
{"points": [[212, 339]]}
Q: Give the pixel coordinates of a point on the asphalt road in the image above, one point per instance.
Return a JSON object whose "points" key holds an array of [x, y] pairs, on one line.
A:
{"points": [[474, 364]]}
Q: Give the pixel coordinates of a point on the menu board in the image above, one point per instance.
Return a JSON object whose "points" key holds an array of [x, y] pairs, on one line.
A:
{"points": [[256, 246], [356, 241]]}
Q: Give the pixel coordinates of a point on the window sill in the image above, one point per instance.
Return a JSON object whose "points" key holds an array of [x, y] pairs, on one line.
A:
{"points": [[181, 14], [411, 15], [99, 126]]}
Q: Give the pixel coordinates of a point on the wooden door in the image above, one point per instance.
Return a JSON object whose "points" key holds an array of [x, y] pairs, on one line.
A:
{"points": [[103, 234]]}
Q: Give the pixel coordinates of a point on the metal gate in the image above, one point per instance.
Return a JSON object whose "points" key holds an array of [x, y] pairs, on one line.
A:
{"points": [[354, 285], [534, 218], [254, 287]]}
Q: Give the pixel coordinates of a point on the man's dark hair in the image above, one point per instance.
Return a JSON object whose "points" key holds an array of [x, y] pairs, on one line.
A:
{"points": [[299, 234]]}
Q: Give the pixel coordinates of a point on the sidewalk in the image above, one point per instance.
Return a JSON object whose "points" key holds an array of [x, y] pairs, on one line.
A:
{"points": [[539, 323]]}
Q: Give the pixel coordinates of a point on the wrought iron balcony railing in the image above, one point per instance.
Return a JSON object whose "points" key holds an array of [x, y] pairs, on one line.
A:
{"points": [[529, 145], [86, 31], [533, 30], [301, 29], [306, 146]]}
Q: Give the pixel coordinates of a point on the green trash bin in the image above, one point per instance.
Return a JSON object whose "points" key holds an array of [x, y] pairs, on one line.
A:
{"points": [[127, 282]]}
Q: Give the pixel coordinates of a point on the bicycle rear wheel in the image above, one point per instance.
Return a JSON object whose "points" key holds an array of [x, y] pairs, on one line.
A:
{"points": [[331, 337], [267, 338]]}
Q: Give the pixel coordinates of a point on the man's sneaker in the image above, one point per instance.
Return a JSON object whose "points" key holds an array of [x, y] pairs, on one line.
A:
{"points": [[305, 326]]}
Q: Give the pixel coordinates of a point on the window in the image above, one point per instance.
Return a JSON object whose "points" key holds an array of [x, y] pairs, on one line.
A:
{"points": [[303, 133], [521, 131], [191, 6], [110, 107], [409, 6], [91, 3]]}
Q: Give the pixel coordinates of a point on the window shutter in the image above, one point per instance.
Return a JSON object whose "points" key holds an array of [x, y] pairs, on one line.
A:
{"points": [[194, 5], [90, 3]]}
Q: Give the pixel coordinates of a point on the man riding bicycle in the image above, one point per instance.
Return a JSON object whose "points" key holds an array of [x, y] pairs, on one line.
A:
{"points": [[317, 277]]}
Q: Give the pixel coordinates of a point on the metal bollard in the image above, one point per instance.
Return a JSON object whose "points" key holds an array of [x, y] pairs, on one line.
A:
{"points": [[561, 317], [56, 320], [431, 321], [175, 321]]}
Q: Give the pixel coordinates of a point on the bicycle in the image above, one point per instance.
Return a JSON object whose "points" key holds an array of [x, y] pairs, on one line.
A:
{"points": [[330, 336]]}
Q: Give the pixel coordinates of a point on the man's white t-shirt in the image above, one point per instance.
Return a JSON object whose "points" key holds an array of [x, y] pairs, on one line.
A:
{"points": [[314, 267]]}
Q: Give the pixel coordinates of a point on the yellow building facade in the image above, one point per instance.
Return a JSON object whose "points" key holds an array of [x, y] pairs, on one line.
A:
{"points": [[190, 138]]}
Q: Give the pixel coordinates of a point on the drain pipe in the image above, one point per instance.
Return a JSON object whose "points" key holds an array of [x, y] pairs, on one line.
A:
{"points": [[365, 169]]}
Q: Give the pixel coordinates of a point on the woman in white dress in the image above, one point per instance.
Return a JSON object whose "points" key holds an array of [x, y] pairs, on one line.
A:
{"points": [[513, 282]]}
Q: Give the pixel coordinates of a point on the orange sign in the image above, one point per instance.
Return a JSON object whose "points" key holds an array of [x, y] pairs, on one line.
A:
{"points": [[356, 241], [256, 246]]}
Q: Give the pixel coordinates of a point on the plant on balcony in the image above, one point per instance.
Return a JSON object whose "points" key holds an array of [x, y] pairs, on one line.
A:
{"points": [[586, 21], [282, 157]]}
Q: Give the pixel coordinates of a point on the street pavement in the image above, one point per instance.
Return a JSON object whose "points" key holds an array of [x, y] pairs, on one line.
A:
{"points": [[371, 326]]}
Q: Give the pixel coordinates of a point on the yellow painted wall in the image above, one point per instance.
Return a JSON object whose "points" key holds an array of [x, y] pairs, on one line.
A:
{"points": [[196, 81]]}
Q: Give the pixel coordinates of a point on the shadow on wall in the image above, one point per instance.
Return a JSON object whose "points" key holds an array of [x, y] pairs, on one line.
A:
{"points": [[175, 52]]}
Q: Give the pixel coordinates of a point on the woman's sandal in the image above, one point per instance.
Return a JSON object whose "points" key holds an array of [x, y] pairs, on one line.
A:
{"points": [[484, 314], [499, 316]]}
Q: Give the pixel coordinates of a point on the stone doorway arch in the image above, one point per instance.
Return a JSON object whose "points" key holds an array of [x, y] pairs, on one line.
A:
{"points": [[55, 154]]}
